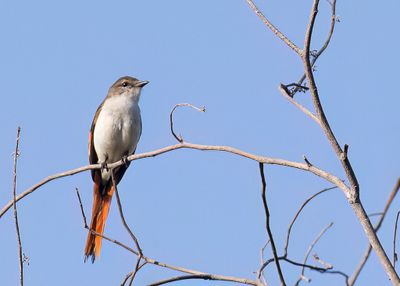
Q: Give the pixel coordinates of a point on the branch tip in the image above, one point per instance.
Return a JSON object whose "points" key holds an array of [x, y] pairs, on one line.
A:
{"points": [[343, 154], [307, 162]]}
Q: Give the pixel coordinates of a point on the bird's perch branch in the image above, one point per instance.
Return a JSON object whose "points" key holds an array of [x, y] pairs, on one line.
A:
{"points": [[261, 159]]}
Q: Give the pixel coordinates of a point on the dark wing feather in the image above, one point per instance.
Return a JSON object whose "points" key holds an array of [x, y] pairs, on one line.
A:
{"points": [[93, 159], [120, 171]]}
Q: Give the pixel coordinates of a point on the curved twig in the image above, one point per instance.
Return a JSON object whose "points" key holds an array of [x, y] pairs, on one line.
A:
{"points": [[171, 121], [297, 215]]}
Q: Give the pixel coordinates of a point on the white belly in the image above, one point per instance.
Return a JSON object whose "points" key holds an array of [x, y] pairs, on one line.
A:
{"points": [[117, 130]]}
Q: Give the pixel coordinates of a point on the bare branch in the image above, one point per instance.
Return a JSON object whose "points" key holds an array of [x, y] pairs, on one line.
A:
{"points": [[287, 94], [159, 263], [375, 214], [394, 240], [261, 159], [353, 196], [85, 225], [260, 273], [171, 121], [267, 224], [132, 273], [298, 213], [82, 211], [205, 277], [14, 201], [323, 263], [273, 28], [308, 266], [377, 227], [324, 46], [121, 213], [128, 229], [126, 279], [307, 161], [315, 241]]}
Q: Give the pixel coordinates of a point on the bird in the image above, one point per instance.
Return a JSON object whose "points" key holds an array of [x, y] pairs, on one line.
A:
{"points": [[114, 135]]}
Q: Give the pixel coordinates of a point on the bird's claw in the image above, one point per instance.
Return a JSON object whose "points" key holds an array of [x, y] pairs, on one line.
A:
{"points": [[104, 167], [125, 160]]}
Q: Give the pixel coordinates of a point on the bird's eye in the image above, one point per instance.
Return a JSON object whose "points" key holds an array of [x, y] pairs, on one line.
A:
{"points": [[124, 84]]}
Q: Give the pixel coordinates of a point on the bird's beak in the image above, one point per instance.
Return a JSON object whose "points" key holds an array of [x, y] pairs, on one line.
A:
{"points": [[142, 83]]}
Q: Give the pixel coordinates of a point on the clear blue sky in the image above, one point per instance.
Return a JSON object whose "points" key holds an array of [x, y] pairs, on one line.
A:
{"points": [[194, 209]]}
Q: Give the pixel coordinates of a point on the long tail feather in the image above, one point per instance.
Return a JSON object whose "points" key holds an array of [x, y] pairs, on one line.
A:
{"points": [[101, 207]]}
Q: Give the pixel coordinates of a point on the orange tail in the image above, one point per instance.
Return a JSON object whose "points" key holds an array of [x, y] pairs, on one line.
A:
{"points": [[101, 207]]}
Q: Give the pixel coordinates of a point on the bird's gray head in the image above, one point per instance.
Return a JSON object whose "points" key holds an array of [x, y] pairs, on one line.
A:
{"points": [[127, 86]]}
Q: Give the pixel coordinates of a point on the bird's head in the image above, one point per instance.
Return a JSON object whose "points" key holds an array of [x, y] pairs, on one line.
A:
{"points": [[127, 86]]}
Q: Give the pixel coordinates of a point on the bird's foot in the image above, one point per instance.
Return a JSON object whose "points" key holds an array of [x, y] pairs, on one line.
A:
{"points": [[104, 167], [125, 160]]}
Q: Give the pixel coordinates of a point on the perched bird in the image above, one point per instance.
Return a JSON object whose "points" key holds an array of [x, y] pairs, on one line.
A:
{"points": [[114, 135]]}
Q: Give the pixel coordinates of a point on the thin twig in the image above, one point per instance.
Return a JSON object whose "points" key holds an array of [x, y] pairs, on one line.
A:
{"points": [[394, 240], [85, 225], [323, 263], [171, 121], [310, 247], [308, 266], [267, 223], [367, 252], [136, 269], [298, 213], [260, 273], [274, 29], [81, 206], [302, 88], [375, 214], [324, 46], [128, 229], [21, 261], [159, 263], [261, 159], [287, 94], [203, 277], [130, 274], [126, 279]]}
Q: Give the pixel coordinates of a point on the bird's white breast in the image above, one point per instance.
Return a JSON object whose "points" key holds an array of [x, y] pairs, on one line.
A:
{"points": [[117, 129]]}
